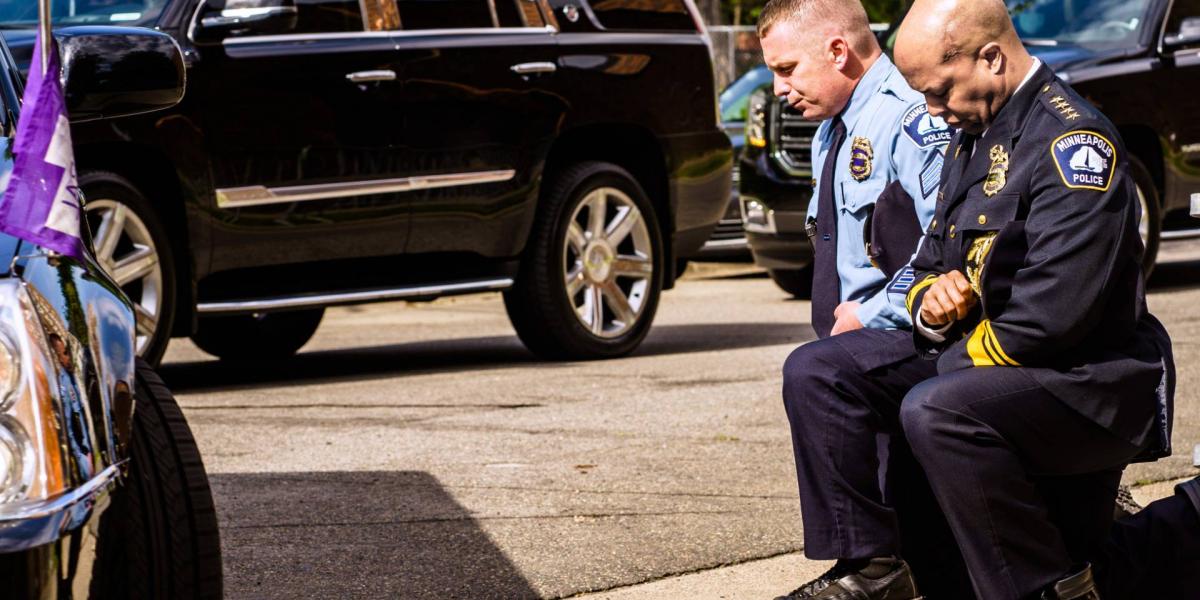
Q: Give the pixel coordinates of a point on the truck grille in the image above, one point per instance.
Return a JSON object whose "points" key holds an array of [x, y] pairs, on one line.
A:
{"points": [[793, 141]]}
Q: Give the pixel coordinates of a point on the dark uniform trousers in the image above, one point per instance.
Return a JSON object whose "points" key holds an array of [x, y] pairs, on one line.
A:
{"points": [[1026, 483], [1024, 414]]}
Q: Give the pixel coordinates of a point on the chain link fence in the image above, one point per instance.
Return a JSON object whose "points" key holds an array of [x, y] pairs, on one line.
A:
{"points": [[735, 51]]}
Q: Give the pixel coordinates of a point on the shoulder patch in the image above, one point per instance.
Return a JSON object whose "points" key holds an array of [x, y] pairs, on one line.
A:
{"points": [[1086, 160], [924, 129]]}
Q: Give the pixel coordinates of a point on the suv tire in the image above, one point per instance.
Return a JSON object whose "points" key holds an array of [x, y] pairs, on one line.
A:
{"points": [[621, 267], [262, 336], [1150, 227], [159, 537], [797, 282], [139, 252]]}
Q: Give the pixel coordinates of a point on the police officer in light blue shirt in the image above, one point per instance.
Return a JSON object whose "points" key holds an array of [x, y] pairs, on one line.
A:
{"points": [[876, 130]]}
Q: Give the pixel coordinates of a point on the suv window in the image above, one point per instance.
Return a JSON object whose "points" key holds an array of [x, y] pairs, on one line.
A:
{"points": [[519, 13], [327, 16], [445, 14], [668, 15]]}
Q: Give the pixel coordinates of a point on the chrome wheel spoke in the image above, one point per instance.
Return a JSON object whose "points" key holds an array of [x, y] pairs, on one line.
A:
{"points": [[633, 266], [136, 265], [147, 322], [597, 205], [618, 303], [575, 238], [595, 307], [575, 281], [112, 224], [627, 218]]}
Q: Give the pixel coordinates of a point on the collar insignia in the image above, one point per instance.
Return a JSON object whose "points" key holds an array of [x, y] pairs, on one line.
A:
{"points": [[1065, 108]]}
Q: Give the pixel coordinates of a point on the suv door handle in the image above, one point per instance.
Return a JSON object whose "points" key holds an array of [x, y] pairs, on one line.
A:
{"points": [[533, 68], [368, 76]]}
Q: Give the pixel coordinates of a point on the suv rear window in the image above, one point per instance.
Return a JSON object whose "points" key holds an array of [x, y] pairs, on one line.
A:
{"points": [[658, 15]]}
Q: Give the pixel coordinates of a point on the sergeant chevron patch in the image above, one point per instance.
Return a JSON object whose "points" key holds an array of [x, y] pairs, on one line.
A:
{"points": [[1086, 160]]}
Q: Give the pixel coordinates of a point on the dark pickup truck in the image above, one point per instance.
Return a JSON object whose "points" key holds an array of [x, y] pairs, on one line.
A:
{"points": [[1138, 61], [335, 152]]}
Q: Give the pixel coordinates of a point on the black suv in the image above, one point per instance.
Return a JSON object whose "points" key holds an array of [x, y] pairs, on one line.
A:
{"points": [[1136, 60], [345, 151]]}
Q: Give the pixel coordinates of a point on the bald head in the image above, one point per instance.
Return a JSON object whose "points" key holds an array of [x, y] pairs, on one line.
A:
{"points": [[964, 55], [946, 29]]}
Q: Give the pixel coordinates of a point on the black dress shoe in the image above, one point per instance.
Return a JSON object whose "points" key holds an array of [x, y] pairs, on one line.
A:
{"points": [[1078, 586], [874, 579]]}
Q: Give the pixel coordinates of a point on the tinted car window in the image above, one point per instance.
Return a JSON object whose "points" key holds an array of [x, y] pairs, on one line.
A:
{"points": [[643, 14], [519, 13], [735, 100], [445, 14], [327, 16], [84, 12], [1101, 23]]}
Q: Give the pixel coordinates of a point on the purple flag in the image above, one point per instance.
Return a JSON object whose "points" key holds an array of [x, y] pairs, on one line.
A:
{"points": [[41, 204]]}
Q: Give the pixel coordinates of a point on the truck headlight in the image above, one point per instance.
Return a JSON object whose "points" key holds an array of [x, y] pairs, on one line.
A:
{"points": [[756, 118]]}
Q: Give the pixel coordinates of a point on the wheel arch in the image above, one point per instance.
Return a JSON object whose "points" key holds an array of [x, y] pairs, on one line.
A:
{"points": [[154, 175], [634, 149]]}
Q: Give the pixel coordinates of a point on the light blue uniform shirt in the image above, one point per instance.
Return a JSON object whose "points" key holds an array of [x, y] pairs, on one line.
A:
{"points": [[889, 128]]}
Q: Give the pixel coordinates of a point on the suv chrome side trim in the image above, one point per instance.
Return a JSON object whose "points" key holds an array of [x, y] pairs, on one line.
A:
{"points": [[398, 34], [257, 195], [234, 307]]}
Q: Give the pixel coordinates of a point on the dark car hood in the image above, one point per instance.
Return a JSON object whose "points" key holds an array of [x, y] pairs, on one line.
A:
{"points": [[1066, 60]]}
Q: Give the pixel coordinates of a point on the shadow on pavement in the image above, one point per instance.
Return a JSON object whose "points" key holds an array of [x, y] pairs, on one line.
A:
{"points": [[366, 534], [1174, 275], [453, 355]]}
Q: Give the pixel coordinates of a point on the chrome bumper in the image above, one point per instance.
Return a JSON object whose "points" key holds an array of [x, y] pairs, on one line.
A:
{"points": [[32, 524]]}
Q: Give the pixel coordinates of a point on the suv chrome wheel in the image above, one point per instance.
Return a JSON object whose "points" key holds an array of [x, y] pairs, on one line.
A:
{"points": [[608, 262], [126, 251]]}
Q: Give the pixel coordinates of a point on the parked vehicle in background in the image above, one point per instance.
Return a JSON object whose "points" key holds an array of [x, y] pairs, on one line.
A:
{"points": [[728, 241], [345, 151], [102, 490], [1122, 56]]}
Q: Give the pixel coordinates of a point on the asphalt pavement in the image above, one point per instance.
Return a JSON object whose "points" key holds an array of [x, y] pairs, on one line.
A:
{"points": [[418, 450]]}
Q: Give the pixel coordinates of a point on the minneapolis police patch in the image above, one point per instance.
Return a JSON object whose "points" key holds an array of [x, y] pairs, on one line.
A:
{"points": [[924, 129], [1085, 159]]}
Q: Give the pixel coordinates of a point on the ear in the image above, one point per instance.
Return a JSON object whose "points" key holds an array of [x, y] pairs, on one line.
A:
{"points": [[838, 51], [993, 57]]}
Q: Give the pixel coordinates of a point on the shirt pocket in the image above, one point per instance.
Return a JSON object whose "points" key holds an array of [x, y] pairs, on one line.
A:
{"points": [[854, 207]]}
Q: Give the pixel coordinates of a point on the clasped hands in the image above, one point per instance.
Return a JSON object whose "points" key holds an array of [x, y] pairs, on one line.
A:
{"points": [[949, 299]]}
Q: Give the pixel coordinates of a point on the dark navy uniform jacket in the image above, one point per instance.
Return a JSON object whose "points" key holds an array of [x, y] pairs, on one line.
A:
{"points": [[1043, 220]]}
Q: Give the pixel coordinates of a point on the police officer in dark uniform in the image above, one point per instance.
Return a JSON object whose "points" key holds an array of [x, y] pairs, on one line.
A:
{"points": [[1040, 371]]}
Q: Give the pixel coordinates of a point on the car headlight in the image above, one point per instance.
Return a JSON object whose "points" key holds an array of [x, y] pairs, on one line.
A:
{"points": [[756, 118], [32, 446]]}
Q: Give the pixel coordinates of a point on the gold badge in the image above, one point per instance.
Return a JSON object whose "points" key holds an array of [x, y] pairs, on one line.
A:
{"points": [[861, 155], [998, 173]]}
